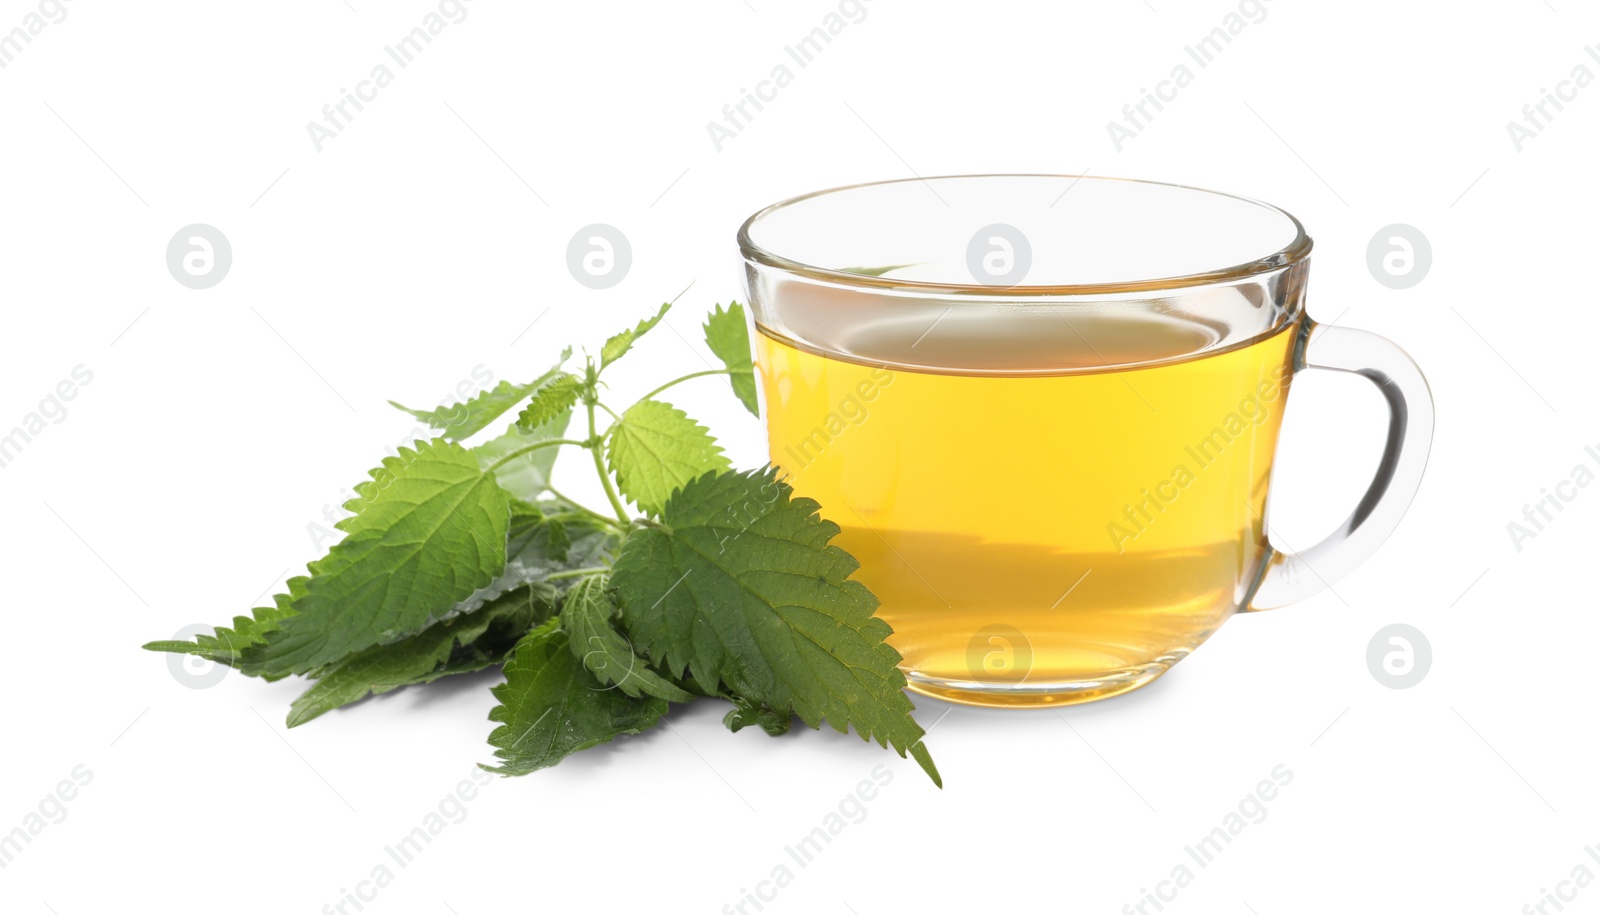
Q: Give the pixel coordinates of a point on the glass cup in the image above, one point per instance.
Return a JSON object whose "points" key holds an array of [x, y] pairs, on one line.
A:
{"points": [[1043, 410]]}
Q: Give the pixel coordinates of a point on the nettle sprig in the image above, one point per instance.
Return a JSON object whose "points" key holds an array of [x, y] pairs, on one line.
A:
{"points": [[462, 556]]}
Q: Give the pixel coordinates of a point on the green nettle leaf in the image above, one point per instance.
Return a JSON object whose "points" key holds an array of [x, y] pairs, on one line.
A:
{"points": [[745, 713], [655, 449], [557, 540], [429, 530], [459, 421], [619, 344], [537, 547], [587, 615], [729, 338], [226, 645], [453, 646], [550, 401], [576, 543], [551, 707], [526, 476], [740, 586]]}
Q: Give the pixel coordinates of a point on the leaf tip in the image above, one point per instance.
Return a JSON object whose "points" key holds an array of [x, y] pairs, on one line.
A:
{"points": [[919, 752]]}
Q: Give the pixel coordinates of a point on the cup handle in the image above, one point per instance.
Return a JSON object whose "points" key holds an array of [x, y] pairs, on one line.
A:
{"points": [[1290, 577]]}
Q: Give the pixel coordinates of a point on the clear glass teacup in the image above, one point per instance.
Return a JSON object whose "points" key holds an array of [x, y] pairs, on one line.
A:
{"points": [[1044, 409]]}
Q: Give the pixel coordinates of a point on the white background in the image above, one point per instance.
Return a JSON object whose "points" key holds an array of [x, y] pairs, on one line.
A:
{"points": [[428, 236]]}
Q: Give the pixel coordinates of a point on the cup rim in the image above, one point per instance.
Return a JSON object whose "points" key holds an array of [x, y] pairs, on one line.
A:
{"points": [[1297, 250]]}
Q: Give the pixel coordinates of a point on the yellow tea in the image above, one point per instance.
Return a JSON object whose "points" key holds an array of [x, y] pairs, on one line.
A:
{"points": [[1036, 519]]}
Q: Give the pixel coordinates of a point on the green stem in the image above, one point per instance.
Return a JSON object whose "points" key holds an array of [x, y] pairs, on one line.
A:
{"points": [[600, 468], [547, 443], [576, 573], [669, 384], [580, 509], [610, 523], [686, 378]]}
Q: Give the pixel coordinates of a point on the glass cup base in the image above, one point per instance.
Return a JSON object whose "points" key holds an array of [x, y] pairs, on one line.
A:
{"points": [[1041, 694]]}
